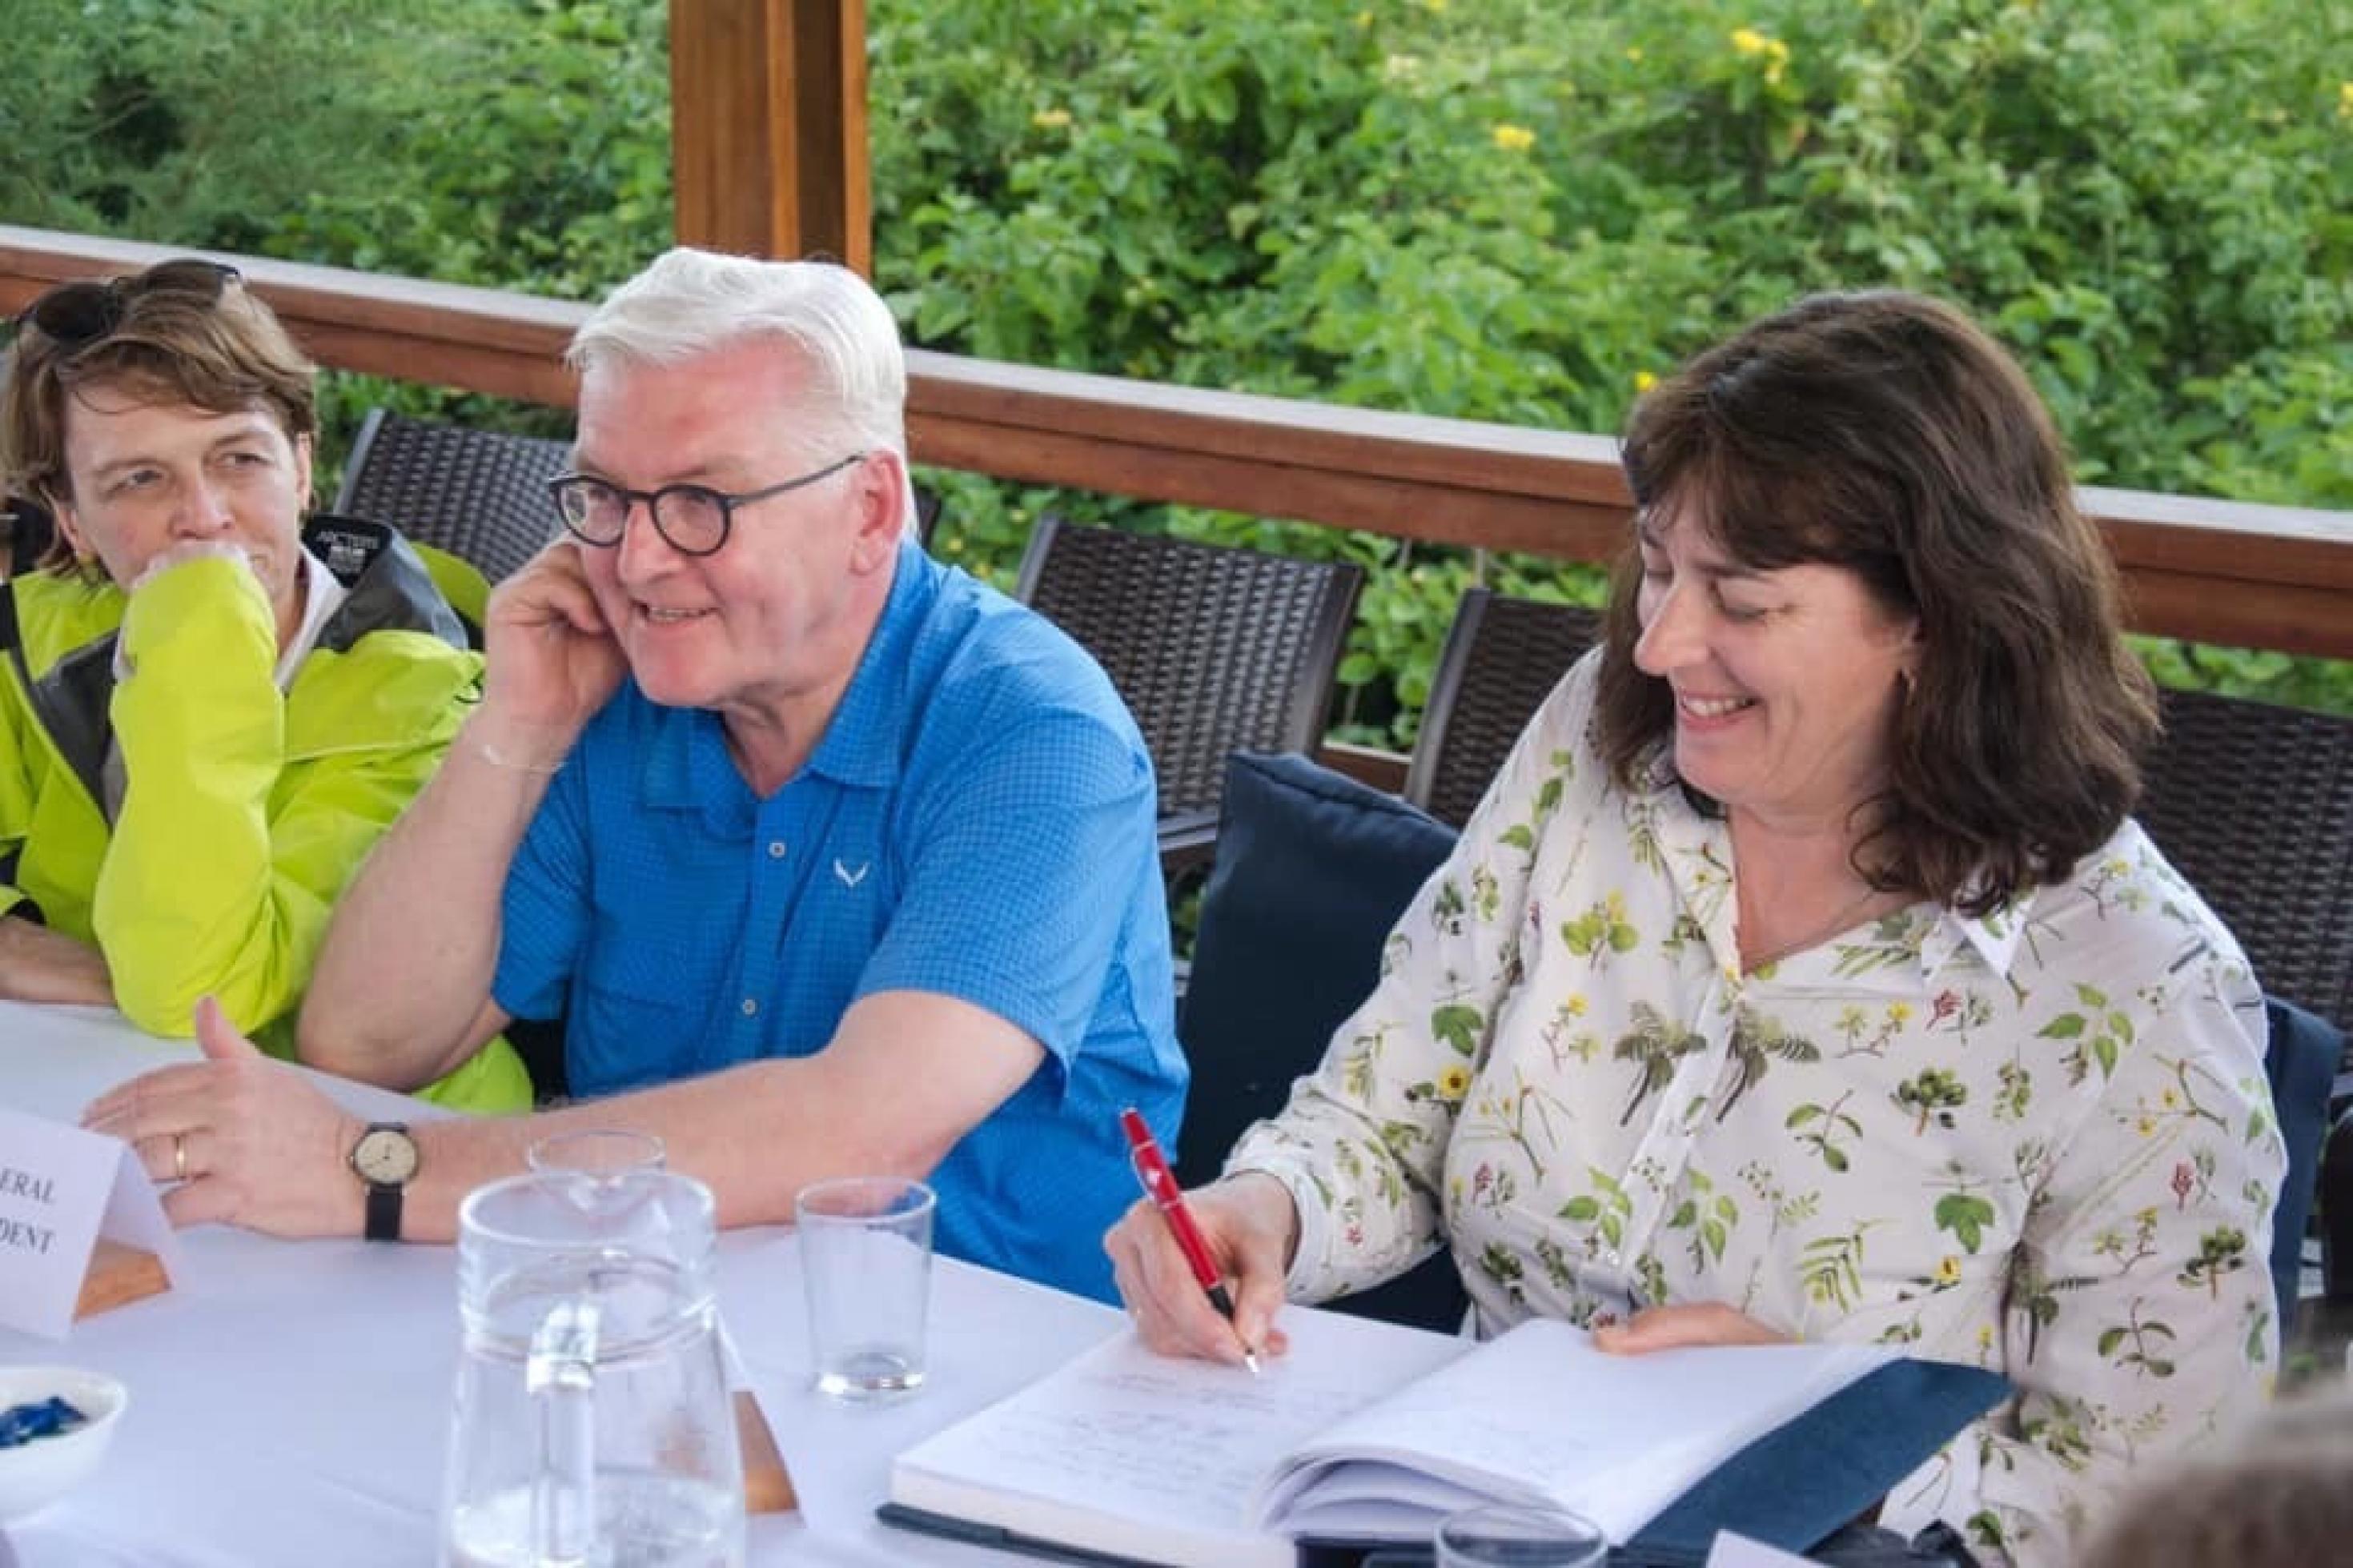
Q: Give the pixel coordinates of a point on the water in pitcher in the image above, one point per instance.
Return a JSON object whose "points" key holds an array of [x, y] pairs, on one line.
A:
{"points": [[591, 1427], [644, 1519]]}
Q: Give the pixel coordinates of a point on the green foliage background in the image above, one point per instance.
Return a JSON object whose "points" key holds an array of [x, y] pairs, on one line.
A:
{"points": [[1498, 209]]}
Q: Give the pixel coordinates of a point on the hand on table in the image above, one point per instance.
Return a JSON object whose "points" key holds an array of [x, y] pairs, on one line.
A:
{"points": [[247, 1140], [1692, 1324], [37, 965], [1250, 1227]]}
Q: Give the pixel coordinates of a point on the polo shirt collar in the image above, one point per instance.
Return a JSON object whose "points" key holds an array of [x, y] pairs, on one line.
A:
{"points": [[861, 746]]}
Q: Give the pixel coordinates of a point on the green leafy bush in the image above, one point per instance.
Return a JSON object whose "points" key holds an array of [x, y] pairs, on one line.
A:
{"points": [[1515, 210]]}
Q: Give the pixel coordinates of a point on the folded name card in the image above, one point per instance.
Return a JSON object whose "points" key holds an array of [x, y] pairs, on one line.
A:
{"points": [[61, 1189]]}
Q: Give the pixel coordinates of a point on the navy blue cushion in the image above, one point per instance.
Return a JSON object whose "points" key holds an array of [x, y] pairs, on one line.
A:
{"points": [[1313, 868], [2301, 1062]]}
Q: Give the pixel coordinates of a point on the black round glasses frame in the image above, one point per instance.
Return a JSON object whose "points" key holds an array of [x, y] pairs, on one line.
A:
{"points": [[574, 494]]}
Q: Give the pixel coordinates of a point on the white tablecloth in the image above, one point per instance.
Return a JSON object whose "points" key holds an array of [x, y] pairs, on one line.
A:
{"points": [[289, 1401]]}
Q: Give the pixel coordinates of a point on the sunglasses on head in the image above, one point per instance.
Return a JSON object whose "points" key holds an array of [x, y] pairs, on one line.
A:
{"points": [[74, 314]]}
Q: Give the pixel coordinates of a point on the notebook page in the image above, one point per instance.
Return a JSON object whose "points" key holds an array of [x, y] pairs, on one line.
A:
{"points": [[1540, 1413], [1126, 1447]]}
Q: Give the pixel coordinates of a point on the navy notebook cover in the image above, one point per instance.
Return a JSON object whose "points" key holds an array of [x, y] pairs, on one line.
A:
{"points": [[1795, 1486]]}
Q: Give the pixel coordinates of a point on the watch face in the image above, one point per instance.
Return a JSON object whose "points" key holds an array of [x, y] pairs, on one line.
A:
{"points": [[384, 1155]]}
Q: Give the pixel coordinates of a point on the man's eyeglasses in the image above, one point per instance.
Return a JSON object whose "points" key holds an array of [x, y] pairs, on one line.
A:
{"points": [[693, 519], [73, 315]]}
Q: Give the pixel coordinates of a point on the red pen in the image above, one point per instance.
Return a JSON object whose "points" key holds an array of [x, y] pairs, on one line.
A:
{"points": [[1160, 1186]]}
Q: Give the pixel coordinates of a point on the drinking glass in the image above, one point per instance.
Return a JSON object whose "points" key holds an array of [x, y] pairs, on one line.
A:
{"points": [[607, 1153], [866, 1256], [1507, 1537], [591, 1168]]}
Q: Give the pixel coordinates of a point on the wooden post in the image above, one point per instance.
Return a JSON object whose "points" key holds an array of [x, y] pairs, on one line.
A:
{"points": [[768, 128]]}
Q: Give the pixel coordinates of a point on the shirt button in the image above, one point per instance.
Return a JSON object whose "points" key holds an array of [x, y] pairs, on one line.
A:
{"points": [[776, 849], [751, 1006]]}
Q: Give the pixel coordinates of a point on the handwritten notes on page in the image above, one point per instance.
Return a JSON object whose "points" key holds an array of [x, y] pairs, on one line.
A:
{"points": [[1157, 1458]]}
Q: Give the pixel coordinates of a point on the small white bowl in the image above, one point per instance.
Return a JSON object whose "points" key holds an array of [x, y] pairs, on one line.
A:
{"points": [[36, 1474]]}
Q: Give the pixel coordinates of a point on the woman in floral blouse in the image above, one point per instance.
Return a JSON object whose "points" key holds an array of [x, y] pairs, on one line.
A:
{"points": [[1801, 975]]}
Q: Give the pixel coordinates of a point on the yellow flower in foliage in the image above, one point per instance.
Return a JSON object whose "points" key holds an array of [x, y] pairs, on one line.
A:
{"points": [[1364, 19], [1050, 119], [1453, 1083], [1644, 380], [1948, 1270], [2344, 100], [1748, 41], [1635, 54], [1515, 138], [1777, 61]]}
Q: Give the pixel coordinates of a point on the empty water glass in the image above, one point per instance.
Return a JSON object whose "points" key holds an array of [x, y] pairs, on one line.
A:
{"points": [[1506, 1537], [866, 1254]]}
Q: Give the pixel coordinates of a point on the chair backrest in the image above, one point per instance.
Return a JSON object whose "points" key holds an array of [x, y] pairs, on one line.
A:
{"points": [[1502, 658], [1214, 650], [2253, 803], [2302, 1062], [481, 495], [1311, 870]]}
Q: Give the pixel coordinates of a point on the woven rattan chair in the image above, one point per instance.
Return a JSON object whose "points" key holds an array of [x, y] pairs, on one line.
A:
{"points": [[1214, 650], [1503, 657], [2253, 803], [481, 495]]}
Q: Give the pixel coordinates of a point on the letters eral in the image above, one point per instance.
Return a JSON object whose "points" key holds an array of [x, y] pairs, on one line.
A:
{"points": [[16, 1183]]}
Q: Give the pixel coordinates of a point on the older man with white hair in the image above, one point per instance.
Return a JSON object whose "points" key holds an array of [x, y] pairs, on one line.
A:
{"points": [[835, 858]]}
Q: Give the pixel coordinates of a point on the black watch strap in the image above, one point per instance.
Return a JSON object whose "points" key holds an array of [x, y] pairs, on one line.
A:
{"points": [[384, 1212]]}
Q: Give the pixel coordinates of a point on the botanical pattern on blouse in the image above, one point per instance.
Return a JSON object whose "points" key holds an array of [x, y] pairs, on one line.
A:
{"points": [[2041, 1140]]}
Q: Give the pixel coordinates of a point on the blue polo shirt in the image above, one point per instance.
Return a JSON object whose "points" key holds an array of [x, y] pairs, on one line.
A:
{"points": [[978, 821]]}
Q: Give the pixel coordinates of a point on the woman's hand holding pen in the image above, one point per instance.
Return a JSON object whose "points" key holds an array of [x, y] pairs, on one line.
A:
{"points": [[1250, 1227]]}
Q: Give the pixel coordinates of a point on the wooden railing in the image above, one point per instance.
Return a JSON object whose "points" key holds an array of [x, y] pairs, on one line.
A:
{"points": [[2212, 571]]}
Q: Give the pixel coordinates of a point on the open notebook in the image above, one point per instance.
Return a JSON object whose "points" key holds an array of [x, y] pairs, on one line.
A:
{"points": [[1364, 1430]]}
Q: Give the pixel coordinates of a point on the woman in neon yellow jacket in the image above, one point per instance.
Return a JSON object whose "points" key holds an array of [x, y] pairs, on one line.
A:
{"points": [[203, 725]]}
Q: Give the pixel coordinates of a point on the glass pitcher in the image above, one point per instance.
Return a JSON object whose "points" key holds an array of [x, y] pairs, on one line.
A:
{"points": [[593, 1426]]}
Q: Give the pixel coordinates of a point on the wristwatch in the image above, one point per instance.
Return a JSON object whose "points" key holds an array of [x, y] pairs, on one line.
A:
{"points": [[385, 1159]]}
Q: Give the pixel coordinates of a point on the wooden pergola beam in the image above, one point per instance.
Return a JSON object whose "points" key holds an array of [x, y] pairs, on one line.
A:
{"points": [[768, 128]]}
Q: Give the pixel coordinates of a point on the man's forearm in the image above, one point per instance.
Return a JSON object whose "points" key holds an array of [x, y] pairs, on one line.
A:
{"points": [[406, 965], [720, 1128], [909, 1074]]}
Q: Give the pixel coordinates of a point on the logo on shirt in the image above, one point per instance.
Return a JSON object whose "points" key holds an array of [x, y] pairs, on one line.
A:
{"points": [[848, 877]]}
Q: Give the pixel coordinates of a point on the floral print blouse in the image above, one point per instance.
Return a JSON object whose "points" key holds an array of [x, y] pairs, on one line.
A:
{"points": [[2041, 1140]]}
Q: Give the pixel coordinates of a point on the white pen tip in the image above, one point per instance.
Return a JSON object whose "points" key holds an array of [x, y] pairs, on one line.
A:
{"points": [[1250, 1360]]}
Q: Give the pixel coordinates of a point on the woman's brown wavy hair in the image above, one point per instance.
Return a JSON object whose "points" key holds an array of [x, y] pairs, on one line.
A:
{"points": [[1886, 434]]}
